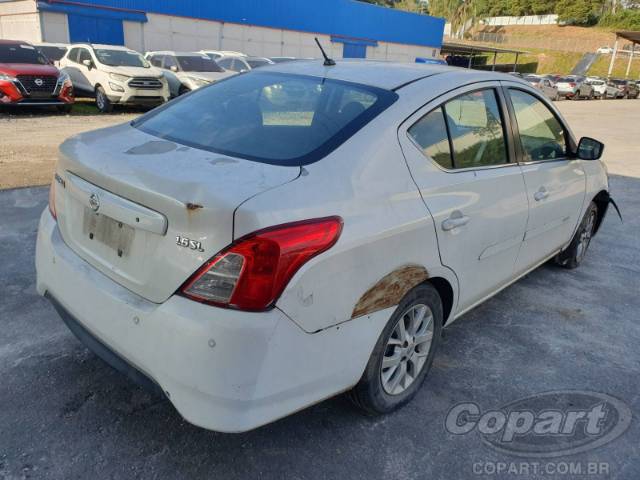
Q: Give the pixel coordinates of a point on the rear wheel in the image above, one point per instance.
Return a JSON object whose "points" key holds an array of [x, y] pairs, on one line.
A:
{"points": [[403, 354], [573, 256], [102, 101]]}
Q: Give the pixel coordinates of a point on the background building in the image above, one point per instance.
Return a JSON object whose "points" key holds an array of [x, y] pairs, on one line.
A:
{"points": [[347, 28]]}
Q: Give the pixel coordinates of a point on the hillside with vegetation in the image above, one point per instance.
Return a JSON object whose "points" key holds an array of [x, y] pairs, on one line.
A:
{"points": [[614, 14]]}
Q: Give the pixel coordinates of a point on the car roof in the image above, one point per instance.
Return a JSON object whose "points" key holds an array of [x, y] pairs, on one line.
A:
{"points": [[387, 75], [177, 54], [14, 42], [101, 46]]}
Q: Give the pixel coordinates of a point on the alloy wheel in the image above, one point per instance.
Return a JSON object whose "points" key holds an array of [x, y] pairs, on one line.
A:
{"points": [[407, 349], [585, 237]]}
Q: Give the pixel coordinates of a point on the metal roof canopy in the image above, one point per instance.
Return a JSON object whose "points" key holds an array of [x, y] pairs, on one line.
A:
{"points": [[631, 36], [471, 50]]}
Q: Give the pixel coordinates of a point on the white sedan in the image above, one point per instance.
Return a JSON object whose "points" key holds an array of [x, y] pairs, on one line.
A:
{"points": [[304, 230]]}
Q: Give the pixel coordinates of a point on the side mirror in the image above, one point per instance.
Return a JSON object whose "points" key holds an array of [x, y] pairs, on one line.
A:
{"points": [[589, 149], [88, 64], [173, 68]]}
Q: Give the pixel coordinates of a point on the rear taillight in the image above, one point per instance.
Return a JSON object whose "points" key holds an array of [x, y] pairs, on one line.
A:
{"points": [[572, 85], [52, 199], [252, 272]]}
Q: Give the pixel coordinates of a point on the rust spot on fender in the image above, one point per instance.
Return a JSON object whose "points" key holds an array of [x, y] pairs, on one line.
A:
{"points": [[193, 206], [390, 289]]}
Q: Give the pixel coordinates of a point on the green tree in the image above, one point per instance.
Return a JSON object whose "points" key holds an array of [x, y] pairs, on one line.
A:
{"points": [[579, 12]]}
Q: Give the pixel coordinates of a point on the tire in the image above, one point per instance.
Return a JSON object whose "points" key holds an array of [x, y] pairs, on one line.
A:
{"points": [[371, 394], [573, 256], [64, 108], [102, 101]]}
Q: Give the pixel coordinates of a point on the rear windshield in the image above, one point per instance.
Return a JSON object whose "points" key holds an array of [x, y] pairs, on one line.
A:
{"points": [[274, 118], [121, 58], [567, 80], [533, 79], [619, 82], [197, 63], [21, 53], [53, 53]]}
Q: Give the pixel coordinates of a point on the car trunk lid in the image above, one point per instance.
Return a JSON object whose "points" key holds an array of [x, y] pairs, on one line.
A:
{"points": [[148, 212]]}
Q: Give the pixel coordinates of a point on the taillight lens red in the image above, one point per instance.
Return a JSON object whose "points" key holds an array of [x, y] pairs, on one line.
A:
{"points": [[52, 199], [252, 272], [572, 85]]}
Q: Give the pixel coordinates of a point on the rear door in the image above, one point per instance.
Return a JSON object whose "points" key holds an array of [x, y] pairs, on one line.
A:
{"points": [[460, 155], [555, 182]]}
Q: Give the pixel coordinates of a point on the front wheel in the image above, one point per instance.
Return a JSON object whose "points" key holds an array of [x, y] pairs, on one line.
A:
{"points": [[403, 353], [573, 256], [102, 101]]}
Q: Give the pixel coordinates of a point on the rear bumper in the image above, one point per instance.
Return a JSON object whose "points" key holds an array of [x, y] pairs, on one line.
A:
{"points": [[222, 369]]}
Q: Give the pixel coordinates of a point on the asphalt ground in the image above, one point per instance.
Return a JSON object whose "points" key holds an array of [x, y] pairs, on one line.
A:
{"points": [[66, 414]]}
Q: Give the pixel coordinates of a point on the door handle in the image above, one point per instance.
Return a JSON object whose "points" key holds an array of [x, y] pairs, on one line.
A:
{"points": [[455, 220], [541, 194]]}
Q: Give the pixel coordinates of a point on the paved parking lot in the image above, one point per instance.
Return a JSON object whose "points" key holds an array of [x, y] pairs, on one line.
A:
{"points": [[65, 414]]}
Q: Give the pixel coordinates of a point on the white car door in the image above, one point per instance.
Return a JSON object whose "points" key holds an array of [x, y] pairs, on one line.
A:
{"points": [[70, 65], [556, 183], [461, 156], [85, 73]]}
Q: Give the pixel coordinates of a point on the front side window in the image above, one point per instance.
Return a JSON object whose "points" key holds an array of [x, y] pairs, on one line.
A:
{"points": [[156, 60], [170, 61], [226, 63], [476, 130], [273, 118], [121, 58], [430, 134], [73, 54], [84, 55], [541, 135], [52, 53]]}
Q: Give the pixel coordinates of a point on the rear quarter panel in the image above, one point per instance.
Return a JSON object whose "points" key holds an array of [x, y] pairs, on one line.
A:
{"points": [[388, 239]]}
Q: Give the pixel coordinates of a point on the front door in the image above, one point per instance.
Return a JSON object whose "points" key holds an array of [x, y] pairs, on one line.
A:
{"points": [[555, 183], [461, 158]]}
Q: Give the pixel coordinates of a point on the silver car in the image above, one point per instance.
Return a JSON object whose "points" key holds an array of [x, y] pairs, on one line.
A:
{"points": [[544, 85], [574, 87]]}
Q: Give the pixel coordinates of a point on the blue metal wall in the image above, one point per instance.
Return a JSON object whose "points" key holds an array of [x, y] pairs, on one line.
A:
{"points": [[332, 17], [83, 28]]}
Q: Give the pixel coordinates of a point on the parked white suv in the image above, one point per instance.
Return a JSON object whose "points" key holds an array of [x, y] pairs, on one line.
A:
{"points": [[288, 234], [187, 71], [114, 75]]}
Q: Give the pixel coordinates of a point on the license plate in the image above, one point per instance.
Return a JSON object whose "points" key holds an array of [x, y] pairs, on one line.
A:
{"points": [[110, 232]]}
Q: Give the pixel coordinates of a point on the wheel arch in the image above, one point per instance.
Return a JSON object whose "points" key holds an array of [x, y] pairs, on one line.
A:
{"points": [[445, 290], [602, 202]]}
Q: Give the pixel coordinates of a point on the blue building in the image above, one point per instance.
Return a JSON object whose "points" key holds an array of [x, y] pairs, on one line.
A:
{"points": [[347, 28]]}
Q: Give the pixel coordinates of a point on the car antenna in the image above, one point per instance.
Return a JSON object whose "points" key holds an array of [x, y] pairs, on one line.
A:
{"points": [[328, 62]]}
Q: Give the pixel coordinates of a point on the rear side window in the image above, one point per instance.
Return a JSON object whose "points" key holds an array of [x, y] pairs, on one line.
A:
{"points": [[476, 131], [274, 118], [430, 133], [541, 134], [466, 132]]}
